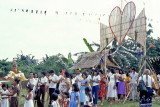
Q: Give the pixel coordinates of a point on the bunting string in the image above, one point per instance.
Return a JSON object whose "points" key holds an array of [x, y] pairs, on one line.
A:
{"points": [[57, 12]]}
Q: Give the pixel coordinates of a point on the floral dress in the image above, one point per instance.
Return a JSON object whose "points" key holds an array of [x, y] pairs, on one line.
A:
{"points": [[102, 89]]}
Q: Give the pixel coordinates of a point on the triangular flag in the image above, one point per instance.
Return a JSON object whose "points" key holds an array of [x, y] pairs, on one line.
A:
{"points": [[45, 12]]}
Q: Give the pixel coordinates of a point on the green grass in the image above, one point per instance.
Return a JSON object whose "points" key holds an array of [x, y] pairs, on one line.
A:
{"points": [[156, 103]]}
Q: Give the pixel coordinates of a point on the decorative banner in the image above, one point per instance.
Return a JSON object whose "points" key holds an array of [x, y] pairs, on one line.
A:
{"points": [[138, 30], [57, 12], [120, 22]]}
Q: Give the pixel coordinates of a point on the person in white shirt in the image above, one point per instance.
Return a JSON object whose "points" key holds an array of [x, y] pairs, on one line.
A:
{"points": [[55, 102], [32, 81], [133, 85], [146, 96], [5, 92], [95, 86], [53, 80], [79, 78], [42, 82]]}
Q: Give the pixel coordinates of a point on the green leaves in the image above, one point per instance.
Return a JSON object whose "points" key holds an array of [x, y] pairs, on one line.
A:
{"points": [[88, 45]]}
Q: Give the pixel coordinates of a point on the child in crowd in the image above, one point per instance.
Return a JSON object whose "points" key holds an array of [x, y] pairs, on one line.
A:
{"points": [[66, 99], [88, 98], [10, 89], [29, 97], [59, 97], [74, 96], [55, 102], [4, 93]]}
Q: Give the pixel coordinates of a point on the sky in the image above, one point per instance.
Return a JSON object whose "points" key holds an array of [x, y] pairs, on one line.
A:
{"points": [[40, 34]]}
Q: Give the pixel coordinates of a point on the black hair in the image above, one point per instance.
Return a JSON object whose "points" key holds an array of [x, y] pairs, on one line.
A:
{"points": [[88, 93], [101, 71], [32, 72], [120, 70], [127, 74], [84, 73], [76, 88], [5, 85], [96, 70], [54, 96], [30, 87], [57, 91], [44, 73], [17, 80], [67, 94], [134, 69], [51, 71], [67, 74], [112, 70]]}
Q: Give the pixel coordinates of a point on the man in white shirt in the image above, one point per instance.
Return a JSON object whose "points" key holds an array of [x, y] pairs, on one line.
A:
{"points": [[133, 84], [53, 80], [42, 83], [32, 81]]}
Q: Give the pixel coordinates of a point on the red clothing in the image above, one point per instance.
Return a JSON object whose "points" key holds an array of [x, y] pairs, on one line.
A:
{"points": [[102, 89], [66, 102]]}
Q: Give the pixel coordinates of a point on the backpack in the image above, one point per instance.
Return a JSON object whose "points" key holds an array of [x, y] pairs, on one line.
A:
{"points": [[142, 86]]}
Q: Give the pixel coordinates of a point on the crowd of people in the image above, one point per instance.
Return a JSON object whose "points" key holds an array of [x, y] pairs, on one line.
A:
{"points": [[80, 89]]}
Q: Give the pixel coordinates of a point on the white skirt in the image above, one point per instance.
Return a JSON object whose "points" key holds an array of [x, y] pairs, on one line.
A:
{"points": [[111, 91], [5, 103], [28, 103]]}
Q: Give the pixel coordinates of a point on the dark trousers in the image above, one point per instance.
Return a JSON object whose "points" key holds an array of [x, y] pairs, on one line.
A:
{"points": [[119, 95], [51, 90], [40, 100], [14, 102], [95, 94]]}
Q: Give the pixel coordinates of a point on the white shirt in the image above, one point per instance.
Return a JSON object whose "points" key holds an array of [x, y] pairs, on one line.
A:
{"points": [[33, 82], [134, 77], [109, 74], [89, 77], [87, 100], [73, 80], [55, 104], [44, 80], [53, 78], [96, 78], [60, 76], [5, 92], [117, 75], [150, 80], [158, 76], [79, 78], [36, 79]]}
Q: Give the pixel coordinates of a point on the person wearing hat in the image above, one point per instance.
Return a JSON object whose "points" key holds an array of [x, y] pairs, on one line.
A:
{"points": [[53, 80]]}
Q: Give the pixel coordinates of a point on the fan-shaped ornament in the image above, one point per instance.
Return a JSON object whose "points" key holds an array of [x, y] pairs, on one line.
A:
{"points": [[120, 22]]}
